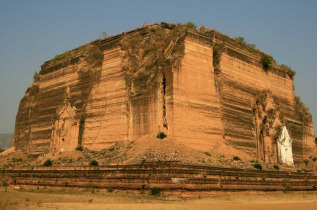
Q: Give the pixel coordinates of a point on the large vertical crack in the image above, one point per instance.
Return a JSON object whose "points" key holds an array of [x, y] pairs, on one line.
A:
{"points": [[163, 91], [218, 49]]}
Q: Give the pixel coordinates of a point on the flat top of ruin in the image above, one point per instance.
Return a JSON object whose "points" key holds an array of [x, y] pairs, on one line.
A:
{"points": [[211, 34]]}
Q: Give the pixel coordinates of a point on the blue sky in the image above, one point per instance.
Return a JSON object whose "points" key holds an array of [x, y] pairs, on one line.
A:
{"points": [[32, 32]]}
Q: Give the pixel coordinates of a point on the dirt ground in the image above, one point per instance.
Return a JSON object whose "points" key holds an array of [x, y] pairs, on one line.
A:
{"points": [[94, 199], [149, 149]]}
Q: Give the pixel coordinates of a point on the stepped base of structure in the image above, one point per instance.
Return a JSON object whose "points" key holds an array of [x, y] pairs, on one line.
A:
{"points": [[166, 176]]}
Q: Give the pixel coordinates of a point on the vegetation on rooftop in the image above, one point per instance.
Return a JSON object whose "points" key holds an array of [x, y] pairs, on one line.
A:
{"points": [[266, 62], [251, 47], [147, 55], [36, 76], [288, 70], [190, 25], [60, 57], [92, 69]]}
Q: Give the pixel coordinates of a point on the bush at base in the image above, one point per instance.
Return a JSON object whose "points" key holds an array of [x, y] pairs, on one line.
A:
{"points": [[48, 162], [236, 158], [79, 148], [161, 135], [155, 191], [93, 163], [257, 166]]}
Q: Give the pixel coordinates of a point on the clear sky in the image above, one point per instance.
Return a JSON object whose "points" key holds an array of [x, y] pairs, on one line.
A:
{"points": [[32, 32]]}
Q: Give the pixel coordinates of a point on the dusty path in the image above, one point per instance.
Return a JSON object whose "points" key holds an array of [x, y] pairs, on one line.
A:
{"points": [[79, 199]]}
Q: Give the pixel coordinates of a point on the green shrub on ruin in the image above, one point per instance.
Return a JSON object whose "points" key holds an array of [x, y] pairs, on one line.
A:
{"points": [[257, 166], [190, 25], [91, 71], [48, 162], [208, 154], [36, 76], [110, 189], [93, 163], [80, 148], [1, 150], [288, 70], [148, 54], [276, 167], [266, 62], [250, 47], [94, 56], [155, 191], [161, 135], [236, 158], [60, 57]]}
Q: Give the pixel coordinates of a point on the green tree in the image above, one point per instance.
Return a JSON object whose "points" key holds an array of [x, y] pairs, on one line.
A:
{"points": [[36, 76], [266, 62], [191, 25], [240, 39]]}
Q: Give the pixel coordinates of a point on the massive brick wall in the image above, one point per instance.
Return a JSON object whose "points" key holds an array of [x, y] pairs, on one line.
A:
{"points": [[196, 104], [106, 111], [242, 81], [191, 102]]}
